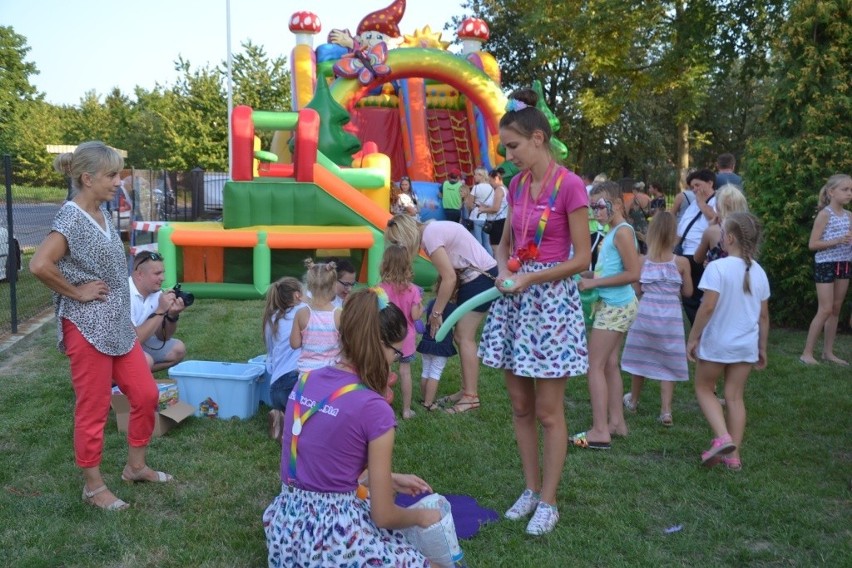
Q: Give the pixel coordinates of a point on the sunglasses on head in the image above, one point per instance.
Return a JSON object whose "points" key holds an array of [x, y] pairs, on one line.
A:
{"points": [[149, 256]]}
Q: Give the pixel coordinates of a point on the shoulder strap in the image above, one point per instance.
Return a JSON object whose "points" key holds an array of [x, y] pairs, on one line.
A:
{"points": [[688, 227], [300, 419]]}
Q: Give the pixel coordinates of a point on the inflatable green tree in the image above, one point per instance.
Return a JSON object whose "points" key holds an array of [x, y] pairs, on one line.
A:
{"points": [[560, 150], [337, 144]]}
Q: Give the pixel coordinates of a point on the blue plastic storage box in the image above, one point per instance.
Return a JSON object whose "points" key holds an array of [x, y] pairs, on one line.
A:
{"points": [[223, 390], [264, 385]]}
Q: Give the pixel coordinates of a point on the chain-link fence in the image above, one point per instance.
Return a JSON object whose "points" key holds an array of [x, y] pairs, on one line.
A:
{"points": [[26, 215]]}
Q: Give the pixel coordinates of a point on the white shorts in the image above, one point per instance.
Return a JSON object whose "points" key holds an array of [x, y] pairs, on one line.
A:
{"points": [[433, 366]]}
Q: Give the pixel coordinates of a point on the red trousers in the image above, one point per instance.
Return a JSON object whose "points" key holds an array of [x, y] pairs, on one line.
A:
{"points": [[92, 375]]}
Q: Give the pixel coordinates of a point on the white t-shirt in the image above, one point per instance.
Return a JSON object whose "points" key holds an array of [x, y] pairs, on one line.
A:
{"points": [[280, 357], [482, 193], [693, 238], [731, 335], [140, 306]]}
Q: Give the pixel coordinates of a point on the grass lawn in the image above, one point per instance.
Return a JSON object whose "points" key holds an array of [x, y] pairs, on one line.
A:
{"points": [[788, 506]]}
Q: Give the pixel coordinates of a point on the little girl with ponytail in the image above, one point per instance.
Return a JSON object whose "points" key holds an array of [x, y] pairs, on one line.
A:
{"points": [[729, 335]]}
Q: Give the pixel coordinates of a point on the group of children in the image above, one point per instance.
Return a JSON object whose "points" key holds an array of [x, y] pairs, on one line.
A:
{"points": [[728, 337], [301, 328], [302, 333]]}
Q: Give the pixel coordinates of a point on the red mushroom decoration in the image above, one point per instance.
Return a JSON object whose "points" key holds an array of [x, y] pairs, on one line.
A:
{"points": [[473, 32], [305, 24]]}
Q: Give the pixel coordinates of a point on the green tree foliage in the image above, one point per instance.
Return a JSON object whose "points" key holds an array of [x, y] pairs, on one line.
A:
{"points": [[197, 126], [809, 138], [35, 124], [608, 66], [260, 82], [16, 93]]}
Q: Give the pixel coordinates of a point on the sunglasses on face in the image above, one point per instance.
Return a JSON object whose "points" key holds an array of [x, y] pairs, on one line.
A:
{"points": [[149, 256], [345, 284]]}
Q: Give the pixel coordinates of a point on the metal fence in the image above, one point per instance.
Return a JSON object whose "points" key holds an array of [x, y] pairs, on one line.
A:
{"points": [[26, 215]]}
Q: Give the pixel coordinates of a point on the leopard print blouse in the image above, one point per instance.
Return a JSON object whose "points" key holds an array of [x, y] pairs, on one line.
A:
{"points": [[94, 254]]}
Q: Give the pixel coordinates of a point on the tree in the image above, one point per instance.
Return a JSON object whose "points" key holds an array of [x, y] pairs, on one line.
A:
{"points": [[808, 138], [15, 89], [36, 124], [198, 124], [602, 61], [260, 82]]}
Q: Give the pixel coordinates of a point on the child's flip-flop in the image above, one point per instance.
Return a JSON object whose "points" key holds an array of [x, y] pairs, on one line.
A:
{"points": [[582, 441]]}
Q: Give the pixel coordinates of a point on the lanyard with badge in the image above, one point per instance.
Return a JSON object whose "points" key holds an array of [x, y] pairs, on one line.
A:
{"points": [[300, 419], [529, 251]]}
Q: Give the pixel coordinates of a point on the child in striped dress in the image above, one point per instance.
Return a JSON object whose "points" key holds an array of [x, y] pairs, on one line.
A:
{"points": [[316, 326], [655, 346], [831, 240]]}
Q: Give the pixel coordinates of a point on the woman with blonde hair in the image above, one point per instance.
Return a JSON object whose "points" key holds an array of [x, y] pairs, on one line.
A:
{"points": [[459, 258], [729, 199], [83, 261]]}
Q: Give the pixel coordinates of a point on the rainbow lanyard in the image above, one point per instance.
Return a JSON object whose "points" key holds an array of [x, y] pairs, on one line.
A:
{"points": [[545, 215], [299, 419]]}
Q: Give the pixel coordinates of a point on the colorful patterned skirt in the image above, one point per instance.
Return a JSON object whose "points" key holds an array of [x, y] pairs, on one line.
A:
{"points": [[308, 529], [538, 333]]}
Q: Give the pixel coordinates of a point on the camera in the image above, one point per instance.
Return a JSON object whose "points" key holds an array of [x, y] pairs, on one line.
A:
{"points": [[187, 297]]}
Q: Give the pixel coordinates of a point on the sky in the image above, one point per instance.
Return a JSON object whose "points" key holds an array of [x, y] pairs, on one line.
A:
{"points": [[86, 45]]}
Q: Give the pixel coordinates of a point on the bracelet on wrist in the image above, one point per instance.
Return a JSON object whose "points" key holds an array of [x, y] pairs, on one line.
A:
{"points": [[160, 314], [437, 314]]}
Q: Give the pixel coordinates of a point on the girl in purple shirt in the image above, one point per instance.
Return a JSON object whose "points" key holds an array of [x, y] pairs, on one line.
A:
{"points": [[338, 424]]}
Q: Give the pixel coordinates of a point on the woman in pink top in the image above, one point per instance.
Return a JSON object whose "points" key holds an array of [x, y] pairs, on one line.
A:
{"points": [[460, 260], [535, 331]]}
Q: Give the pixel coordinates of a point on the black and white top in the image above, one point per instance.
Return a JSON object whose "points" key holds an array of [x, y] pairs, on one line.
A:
{"points": [[94, 253]]}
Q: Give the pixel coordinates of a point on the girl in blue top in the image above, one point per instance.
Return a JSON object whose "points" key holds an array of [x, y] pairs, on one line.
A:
{"points": [[617, 269]]}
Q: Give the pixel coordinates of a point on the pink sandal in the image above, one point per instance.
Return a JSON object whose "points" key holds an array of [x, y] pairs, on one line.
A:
{"points": [[720, 447], [732, 463]]}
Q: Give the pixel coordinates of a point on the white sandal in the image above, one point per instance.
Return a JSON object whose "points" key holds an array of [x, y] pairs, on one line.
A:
{"points": [[88, 498], [132, 476]]}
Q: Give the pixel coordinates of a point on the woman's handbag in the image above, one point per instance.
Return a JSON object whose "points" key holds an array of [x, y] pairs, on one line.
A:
{"points": [[487, 227], [468, 224]]}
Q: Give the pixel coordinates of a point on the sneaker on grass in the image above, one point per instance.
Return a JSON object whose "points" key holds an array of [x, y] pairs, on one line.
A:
{"points": [[525, 505], [544, 520]]}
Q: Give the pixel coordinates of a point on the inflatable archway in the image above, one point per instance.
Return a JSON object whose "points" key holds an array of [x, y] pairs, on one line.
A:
{"points": [[438, 65]]}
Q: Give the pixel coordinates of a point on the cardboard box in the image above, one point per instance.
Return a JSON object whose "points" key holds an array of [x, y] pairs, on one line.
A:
{"points": [[165, 419]]}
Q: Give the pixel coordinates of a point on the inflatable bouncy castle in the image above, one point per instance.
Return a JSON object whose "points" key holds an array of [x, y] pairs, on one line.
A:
{"points": [[367, 109]]}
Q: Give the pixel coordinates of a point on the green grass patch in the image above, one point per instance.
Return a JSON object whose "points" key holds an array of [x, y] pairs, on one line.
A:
{"points": [[29, 194], [790, 505]]}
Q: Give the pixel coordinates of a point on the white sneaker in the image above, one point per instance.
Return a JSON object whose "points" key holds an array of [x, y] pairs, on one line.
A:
{"points": [[628, 402], [544, 520], [525, 505]]}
